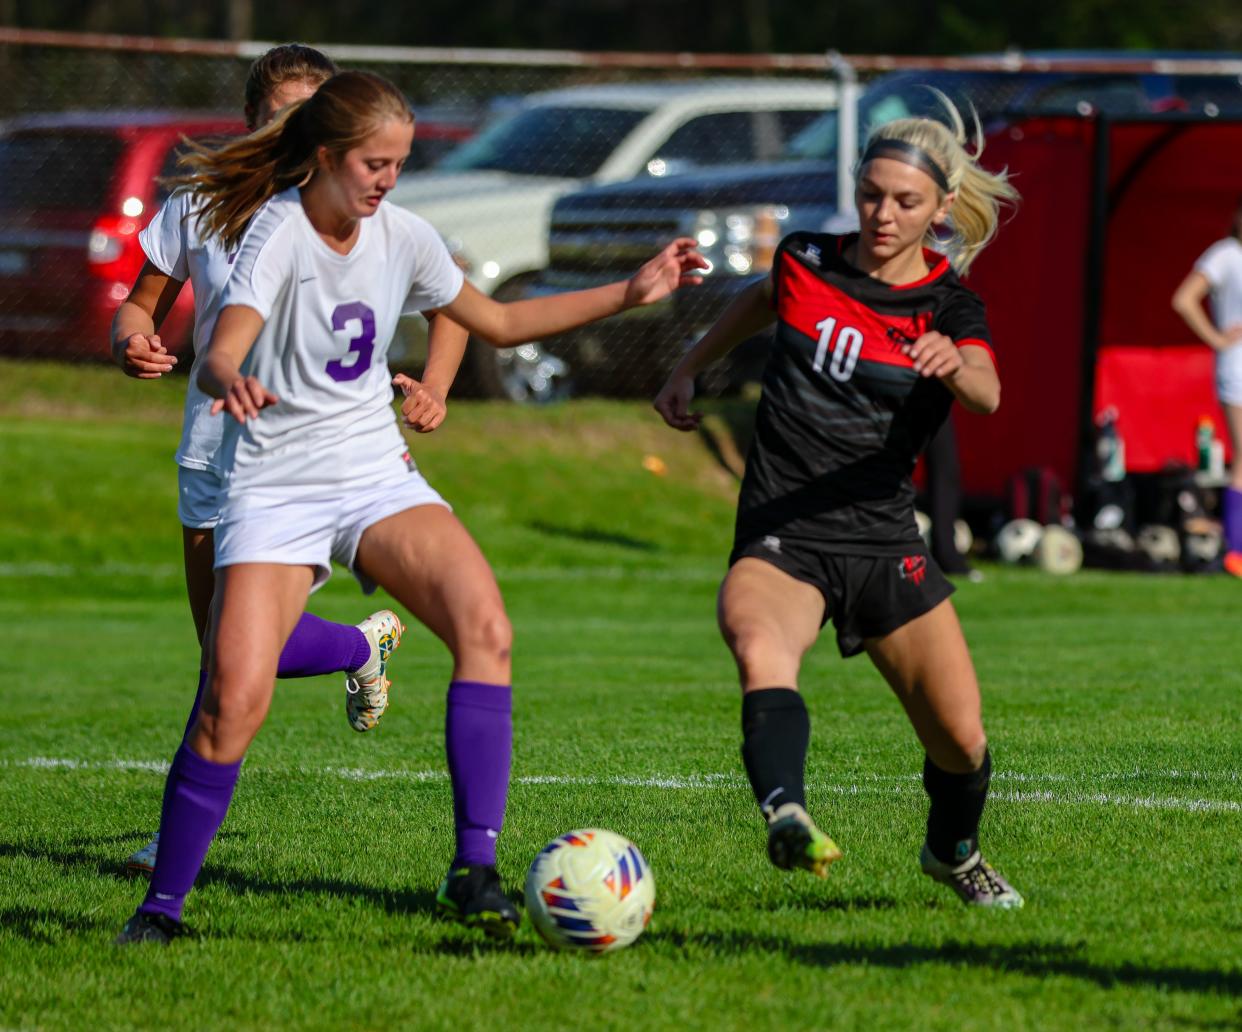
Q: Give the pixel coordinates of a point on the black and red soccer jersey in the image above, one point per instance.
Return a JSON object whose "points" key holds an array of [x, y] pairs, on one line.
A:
{"points": [[844, 415]]}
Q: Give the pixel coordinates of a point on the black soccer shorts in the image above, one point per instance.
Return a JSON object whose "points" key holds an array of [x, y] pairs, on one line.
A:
{"points": [[865, 596]]}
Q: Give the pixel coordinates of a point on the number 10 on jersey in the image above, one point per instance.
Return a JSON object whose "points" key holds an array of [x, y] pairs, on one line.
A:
{"points": [[844, 352]]}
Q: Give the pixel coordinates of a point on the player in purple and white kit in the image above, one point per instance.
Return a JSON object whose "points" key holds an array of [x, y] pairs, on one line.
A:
{"points": [[1218, 274], [316, 468], [876, 338], [176, 252]]}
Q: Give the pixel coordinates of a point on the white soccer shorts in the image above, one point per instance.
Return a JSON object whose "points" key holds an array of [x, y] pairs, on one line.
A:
{"points": [[200, 497], [1229, 375], [314, 526]]}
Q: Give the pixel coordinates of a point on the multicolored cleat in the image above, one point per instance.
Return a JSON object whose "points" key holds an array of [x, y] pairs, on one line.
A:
{"points": [[157, 928], [473, 896], [974, 880], [141, 862], [795, 842], [366, 689]]}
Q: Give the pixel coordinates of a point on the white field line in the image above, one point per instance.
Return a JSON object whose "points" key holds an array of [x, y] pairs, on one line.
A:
{"points": [[1087, 793]]}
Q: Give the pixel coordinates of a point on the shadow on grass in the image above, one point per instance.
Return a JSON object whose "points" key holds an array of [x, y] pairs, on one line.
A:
{"points": [[43, 925], [1028, 958], [79, 853], [474, 947], [47, 926], [126, 840], [829, 903], [76, 856], [593, 536]]}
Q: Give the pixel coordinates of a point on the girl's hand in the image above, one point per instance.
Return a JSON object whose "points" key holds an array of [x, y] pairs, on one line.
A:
{"points": [[145, 357], [245, 398], [673, 403], [676, 266], [423, 408], [936, 355], [1232, 336]]}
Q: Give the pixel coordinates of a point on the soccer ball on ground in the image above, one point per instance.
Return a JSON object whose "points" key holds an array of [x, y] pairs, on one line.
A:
{"points": [[590, 890]]}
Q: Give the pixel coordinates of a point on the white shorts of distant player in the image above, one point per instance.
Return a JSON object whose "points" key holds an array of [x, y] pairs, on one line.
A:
{"points": [[1229, 375], [200, 496], [314, 525]]}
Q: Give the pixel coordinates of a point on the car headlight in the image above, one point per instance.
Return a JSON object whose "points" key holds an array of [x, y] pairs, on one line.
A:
{"points": [[740, 241]]}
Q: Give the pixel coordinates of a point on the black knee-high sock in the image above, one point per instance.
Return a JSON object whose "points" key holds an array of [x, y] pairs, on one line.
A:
{"points": [[775, 733], [956, 806]]}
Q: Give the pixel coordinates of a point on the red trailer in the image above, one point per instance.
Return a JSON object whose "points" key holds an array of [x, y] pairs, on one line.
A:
{"points": [[1114, 213]]}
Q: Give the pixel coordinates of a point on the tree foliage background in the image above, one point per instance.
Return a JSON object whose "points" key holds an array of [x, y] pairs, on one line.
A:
{"points": [[790, 26]]}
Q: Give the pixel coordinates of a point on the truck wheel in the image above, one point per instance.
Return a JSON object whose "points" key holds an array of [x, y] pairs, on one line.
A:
{"points": [[528, 373]]}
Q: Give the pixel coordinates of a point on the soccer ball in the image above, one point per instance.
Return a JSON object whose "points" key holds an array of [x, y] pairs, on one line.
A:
{"points": [[1017, 539], [963, 537], [590, 890], [1059, 551]]}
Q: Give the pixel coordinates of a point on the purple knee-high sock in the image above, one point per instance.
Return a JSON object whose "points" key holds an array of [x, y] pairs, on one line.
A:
{"points": [[478, 734], [318, 646], [196, 798], [1233, 519]]}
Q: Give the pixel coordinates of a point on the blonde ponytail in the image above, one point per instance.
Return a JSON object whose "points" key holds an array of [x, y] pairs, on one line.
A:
{"points": [[232, 181], [979, 194]]}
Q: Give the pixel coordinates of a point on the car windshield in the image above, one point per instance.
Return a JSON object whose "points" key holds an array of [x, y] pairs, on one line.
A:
{"points": [[565, 142], [61, 170]]}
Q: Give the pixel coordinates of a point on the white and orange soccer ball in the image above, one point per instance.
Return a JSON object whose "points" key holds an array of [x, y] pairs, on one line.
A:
{"points": [[590, 890]]}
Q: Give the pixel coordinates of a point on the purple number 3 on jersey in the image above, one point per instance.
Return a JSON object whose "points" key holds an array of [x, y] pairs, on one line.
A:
{"points": [[363, 344]]}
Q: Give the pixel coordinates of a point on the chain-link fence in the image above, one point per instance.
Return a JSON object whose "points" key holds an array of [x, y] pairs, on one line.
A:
{"points": [[89, 124], [554, 171]]}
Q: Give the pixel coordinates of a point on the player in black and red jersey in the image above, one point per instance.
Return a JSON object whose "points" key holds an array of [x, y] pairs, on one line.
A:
{"points": [[876, 337]]}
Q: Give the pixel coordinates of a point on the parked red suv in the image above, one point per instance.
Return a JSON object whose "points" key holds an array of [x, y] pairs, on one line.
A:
{"points": [[75, 190]]}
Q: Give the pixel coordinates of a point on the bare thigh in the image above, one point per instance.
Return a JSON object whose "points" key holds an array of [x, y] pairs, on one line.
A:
{"points": [[769, 620], [255, 610], [199, 550], [928, 666], [428, 561]]}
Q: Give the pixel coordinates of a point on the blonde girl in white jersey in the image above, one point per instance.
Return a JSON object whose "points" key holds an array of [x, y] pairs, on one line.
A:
{"points": [[176, 252], [318, 470]]}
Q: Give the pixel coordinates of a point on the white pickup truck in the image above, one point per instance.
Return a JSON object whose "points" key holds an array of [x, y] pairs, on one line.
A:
{"points": [[492, 198]]}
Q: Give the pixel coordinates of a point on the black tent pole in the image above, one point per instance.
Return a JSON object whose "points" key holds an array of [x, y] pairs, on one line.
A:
{"points": [[1093, 303]]}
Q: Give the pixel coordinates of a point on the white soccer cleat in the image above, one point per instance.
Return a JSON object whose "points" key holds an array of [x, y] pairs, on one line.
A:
{"points": [[142, 862], [366, 689], [974, 880]]}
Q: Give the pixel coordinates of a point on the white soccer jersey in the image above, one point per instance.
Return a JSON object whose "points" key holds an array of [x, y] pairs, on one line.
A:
{"points": [[323, 349], [1221, 265], [174, 246]]}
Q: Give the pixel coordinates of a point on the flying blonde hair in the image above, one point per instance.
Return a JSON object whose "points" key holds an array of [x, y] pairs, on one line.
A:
{"points": [[979, 194], [233, 180]]}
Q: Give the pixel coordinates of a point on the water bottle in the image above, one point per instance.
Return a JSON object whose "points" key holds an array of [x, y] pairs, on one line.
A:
{"points": [[1205, 434], [1110, 449]]}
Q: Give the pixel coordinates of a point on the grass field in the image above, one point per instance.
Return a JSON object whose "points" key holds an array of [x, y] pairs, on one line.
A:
{"points": [[1112, 703]]}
